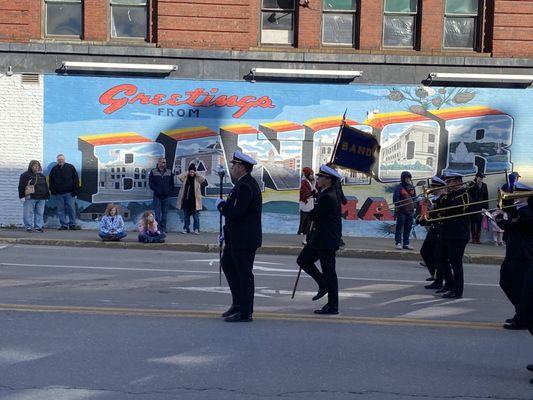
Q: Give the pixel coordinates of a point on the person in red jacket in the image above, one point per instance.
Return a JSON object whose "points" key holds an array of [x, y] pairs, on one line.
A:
{"points": [[307, 201]]}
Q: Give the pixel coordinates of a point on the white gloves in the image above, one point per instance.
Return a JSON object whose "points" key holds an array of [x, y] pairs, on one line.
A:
{"points": [[221, 238], [22, 200]]}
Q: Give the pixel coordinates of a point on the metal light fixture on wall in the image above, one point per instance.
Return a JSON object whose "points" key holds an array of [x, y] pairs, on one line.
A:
{"points": [[452, 76], [9, 71], [308, 73], [104, 66]]}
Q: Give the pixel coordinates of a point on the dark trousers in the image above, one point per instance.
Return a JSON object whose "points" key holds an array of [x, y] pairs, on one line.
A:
{"points": [[475, 226], [428, 251], [238, 269], [526, 299], [404, 223], [325, 279], [444, 269], [160, 207], [512, 278], [455, 252]]}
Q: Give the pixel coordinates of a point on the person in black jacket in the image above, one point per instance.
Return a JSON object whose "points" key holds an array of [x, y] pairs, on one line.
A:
{"points": [[518, 255], [243, 236], [479, 194], [454, 235], [33, 193], [64, 185], [324, 240], [161, 181]]}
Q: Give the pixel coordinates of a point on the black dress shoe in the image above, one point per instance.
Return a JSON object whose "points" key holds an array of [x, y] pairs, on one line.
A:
{"points": [[514, 326], [321, 293], [234, 309], [509, 320], [430, 279], [530, 367], [451, 295], [443, 290], [327, 310], [238, 317], [434, 285]]}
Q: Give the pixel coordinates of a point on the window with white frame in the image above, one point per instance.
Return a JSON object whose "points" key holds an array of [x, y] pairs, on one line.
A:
{"points": [[129, 19], [63, 17], [460, 24], [400, 23], [277, 21], [338, 22]]}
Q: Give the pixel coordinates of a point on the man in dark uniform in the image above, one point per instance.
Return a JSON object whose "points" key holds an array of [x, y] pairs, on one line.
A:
{"points": [[518, 253], [324, 240], [428, 251], [455, 233], [479, 194], [242, 234]]}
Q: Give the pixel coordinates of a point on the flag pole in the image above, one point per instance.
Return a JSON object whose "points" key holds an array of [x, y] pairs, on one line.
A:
{"points": [[343, 122]]}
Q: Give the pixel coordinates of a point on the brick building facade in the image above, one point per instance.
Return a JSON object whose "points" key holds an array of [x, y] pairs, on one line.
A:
{"points": [[502, 28]]}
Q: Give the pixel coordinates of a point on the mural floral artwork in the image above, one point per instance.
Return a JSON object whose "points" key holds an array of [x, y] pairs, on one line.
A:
{"points": [[114, 130]]}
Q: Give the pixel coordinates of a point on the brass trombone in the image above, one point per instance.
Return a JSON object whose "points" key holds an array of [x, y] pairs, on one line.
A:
{"points": [[501, 197]]}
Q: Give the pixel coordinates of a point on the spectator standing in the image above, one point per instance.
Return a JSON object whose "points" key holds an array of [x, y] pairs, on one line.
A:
{"points": [[307, 201], [190, 199], [64, 185], [478, 193], [404, 208], [112, 225], [161, 180], [148, 229], [33, 193]]}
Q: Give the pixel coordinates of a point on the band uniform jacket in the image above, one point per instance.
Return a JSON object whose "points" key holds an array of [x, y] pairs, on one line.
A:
{"points": [[519, 230], [457, 227], [242, 213], [326, 218]]}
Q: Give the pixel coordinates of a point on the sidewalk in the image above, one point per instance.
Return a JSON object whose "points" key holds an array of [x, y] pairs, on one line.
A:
{"points": [[356, 247]]}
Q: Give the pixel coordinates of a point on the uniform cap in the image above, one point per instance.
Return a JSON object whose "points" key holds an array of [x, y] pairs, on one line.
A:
{"points": [[328, 172], [522, 187], [241, 158], [453, 175], [436, 181]]}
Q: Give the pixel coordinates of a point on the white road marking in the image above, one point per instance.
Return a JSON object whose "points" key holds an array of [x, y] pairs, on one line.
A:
{"points": [[216, 272], [3, 247], [437, 311], [406, 299]]}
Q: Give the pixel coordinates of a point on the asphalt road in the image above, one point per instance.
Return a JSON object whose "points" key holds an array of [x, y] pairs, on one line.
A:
{"points": [[78, 323]]}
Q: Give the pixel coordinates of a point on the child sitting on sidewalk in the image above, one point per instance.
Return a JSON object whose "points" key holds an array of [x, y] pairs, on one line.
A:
{"points": [[148, 230], [112, 225]]}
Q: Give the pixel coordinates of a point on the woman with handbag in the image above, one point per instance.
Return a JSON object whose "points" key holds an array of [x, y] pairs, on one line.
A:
{"points": [[33, 193]]}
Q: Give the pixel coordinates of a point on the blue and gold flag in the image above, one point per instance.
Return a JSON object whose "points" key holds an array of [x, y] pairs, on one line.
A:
{"points": [[355, 150]]}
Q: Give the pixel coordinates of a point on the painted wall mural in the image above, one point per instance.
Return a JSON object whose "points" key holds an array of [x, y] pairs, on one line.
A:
{"points": [[114, 130]]}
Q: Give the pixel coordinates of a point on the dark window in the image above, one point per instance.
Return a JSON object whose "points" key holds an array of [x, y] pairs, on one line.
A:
{"points": [[63, 17], [128, 159], [480, 134], [112, 169], [127, 183], [410, 150], [431, 149], [399, 23], [338, 22], [129, 19], [277, 21], [102, 184], [117, 185], [431, 138], [460, 23]]}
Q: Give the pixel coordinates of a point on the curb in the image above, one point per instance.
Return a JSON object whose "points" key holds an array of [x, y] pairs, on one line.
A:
{"points": [[274, 250]]}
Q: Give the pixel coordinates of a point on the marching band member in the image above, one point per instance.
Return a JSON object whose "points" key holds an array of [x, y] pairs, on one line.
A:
{"points": [[518, 253], [428, 251], [455, 233], [242, 234], [324, 240]]}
